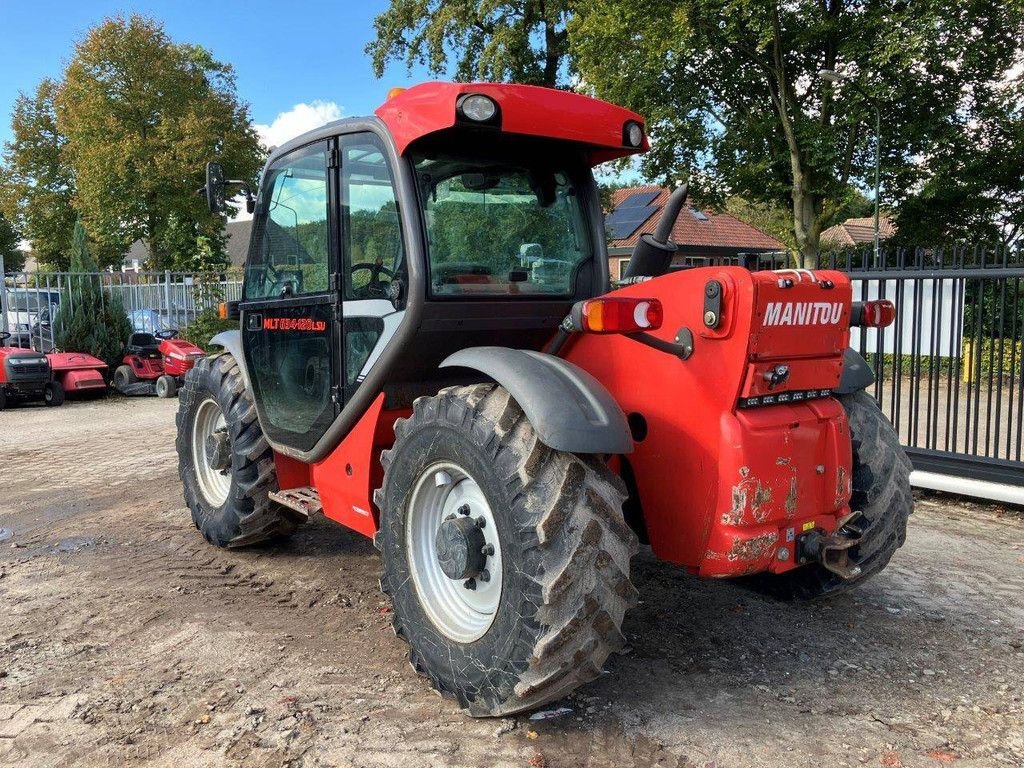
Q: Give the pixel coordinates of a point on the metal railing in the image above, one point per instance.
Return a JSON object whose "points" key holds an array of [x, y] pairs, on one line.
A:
{"points": [[30, 302], [948, 372]]}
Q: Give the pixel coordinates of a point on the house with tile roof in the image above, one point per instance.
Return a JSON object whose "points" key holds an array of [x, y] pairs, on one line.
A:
{"points": [[703, 235], [854, 232]]}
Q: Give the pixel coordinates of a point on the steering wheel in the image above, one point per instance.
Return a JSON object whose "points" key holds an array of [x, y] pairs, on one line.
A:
{"points": [[168, 333], [375, 288]]}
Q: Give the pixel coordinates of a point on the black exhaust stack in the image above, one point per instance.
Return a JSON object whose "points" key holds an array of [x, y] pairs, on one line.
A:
{"points": [[653, 254]]}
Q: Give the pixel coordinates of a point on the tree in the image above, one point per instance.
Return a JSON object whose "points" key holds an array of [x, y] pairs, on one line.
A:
{"points": [[141, 115], [90, 319], [732, 87], [13, 257], [36, 182], [524, 41], [974, 187]]}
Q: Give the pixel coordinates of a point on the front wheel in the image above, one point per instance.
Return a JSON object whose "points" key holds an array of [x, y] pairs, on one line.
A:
{"points": [[53, 394], [225, 462], [881, 493], [507, 563], [166, 386]]}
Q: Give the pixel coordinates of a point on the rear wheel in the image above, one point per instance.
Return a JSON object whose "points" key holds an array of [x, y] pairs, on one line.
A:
{"points": [[881, 492], [53, 394], [225, 462], [123, 377], [507, 563], [166, 386]]}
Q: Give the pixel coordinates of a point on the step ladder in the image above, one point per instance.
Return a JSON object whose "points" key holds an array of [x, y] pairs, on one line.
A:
{"points": [[305, 500]]}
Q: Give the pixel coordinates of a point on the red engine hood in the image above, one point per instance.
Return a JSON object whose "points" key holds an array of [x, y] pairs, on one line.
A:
{"points": [[179, 346]]}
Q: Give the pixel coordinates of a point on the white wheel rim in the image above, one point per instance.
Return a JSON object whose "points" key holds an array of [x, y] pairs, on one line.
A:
{"points": [[462, 614], [214, 484]]}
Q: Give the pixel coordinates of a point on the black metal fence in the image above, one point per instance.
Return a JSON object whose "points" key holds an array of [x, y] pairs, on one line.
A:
{"points": [[948, 372]]}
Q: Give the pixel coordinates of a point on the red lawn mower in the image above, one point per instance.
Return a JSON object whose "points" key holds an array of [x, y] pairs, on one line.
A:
{"points": [[155, 363], [78, 373], [25, 375]]}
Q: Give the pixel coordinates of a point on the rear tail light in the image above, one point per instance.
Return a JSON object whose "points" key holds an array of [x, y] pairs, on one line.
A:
{"points": [[617, 315], [873, 314]]}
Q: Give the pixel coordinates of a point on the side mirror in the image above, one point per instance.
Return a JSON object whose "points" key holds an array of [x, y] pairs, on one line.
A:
{"points": [[215, 188]]}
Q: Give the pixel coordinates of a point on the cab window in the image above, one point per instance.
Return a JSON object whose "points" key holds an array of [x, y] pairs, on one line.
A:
{"points": [[501, 228], [291, 251]]}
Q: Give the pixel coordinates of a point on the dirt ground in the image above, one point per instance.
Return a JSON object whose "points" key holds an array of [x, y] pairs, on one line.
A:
{"points": [[126, 640]]}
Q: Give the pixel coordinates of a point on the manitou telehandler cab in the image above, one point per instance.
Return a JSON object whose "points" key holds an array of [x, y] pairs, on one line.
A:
{"points": [[429, 354]]}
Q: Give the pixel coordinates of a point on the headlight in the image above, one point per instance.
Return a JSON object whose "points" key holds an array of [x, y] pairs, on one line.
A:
{"points": [[478, 108], [633, 134]]}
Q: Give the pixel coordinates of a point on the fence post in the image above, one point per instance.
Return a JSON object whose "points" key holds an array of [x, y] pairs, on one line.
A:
{"points": [[3, 295], [167, 296]]}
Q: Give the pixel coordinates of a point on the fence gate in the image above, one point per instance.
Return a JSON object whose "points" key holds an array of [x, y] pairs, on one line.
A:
{"points": [[948, 372]]}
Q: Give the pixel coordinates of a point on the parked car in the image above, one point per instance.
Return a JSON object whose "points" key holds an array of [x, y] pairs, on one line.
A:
{"points": [[29, 308]]}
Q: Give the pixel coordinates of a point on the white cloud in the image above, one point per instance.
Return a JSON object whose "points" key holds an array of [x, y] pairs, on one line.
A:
{"points": [[298, 119]]}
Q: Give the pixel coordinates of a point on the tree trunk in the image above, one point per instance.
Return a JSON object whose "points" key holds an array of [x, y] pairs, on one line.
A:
{"points": [[806, 223]]}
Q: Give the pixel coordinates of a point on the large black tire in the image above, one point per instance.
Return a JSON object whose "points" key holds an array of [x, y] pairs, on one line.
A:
{"points": [[881, 492], [247, 516], [565, 551]]}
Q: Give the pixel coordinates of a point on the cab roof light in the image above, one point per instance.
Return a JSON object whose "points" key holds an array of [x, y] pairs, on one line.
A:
{"points": [[873, 314], [617, 315], [477, 108], [632, 134]]}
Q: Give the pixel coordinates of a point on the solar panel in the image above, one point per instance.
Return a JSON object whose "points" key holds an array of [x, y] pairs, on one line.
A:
{"points": [[637, 199], [625, 222], [698, 215]]}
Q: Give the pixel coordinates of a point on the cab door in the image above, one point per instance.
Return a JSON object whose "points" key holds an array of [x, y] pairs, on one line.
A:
{"points": [[289, 311]]}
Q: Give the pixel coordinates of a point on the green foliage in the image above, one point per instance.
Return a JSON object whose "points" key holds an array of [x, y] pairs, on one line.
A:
{"points": [[999, 357], [121, 141], [90, 319], [974, 188], [205, 326], [36, 181], [13, 257], [731, 87], [523, 41]]}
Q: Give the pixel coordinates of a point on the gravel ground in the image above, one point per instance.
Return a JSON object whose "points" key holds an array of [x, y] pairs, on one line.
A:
{"points": [[126, 640]]}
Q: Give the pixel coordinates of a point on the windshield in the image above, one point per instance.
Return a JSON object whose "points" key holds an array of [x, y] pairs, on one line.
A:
{"points": [[500, 228], [31, 301]]}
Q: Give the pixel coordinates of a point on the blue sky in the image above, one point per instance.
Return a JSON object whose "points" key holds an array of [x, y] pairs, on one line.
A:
{"points": [[297, 63]]}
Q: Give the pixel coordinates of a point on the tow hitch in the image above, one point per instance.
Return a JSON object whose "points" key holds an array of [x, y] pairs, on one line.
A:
{"points": [[833, 550]]}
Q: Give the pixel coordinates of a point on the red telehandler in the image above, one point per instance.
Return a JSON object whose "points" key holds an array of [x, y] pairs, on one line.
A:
{"points": [[429, 354]]}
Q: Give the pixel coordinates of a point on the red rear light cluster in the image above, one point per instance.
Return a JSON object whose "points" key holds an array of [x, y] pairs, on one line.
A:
{"points": [[875, 314], [619, 315]]}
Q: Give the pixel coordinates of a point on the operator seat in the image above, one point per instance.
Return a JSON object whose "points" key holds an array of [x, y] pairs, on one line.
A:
{"points": [[144, 345]]}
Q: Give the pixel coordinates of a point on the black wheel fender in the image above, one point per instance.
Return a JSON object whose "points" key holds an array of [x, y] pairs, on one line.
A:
{"points": [[231, 342], [857, 374], [570, 409]]}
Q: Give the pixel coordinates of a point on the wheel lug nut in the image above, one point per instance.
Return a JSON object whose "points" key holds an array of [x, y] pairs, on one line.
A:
{"points": [[464, 509], [488, 550], [471, 583], [485, 575], [481, 522]]}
